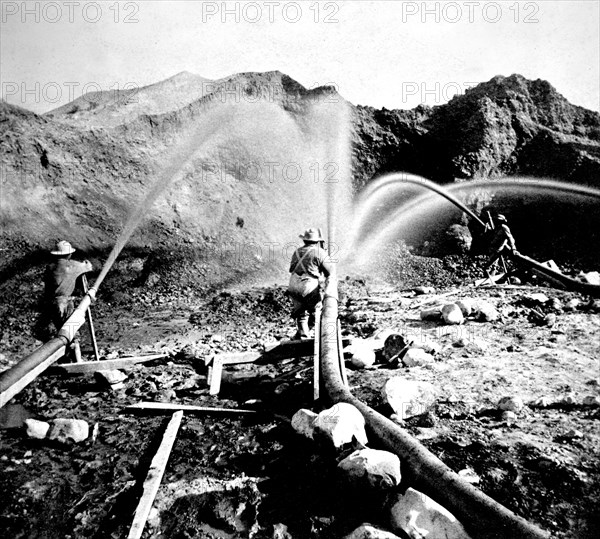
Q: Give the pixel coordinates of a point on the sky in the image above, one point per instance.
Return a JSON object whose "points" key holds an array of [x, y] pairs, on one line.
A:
{"points": [[393, 54]]}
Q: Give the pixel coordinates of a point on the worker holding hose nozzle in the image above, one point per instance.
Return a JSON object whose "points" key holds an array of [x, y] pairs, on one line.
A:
{"points": [[502, 242], [310, 263], [60, 282]]}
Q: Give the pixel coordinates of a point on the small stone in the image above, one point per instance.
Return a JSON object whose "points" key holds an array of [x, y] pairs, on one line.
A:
{"points": [[452, 314], [416, 357], [467, 306], [509, 416], [574, 433], [591, 400], [366, 531], [538, 299], [339, 424], [487, 312], [37, 429], [572, 304], [420, 290], [408, 398], [217, 338], [541, 402], [425, 433], [431, 347], [64, 430], [303, 422], [373, 468], [418, 516], [433, 313], [550, 320], [469, 475], [556, 304], [280, 531], [511, 404], [110, 377], [568, 399]]}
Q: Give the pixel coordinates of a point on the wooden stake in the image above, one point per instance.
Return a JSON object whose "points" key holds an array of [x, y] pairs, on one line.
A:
{"points": [[88, 314], [216, 375], [154, 477]]}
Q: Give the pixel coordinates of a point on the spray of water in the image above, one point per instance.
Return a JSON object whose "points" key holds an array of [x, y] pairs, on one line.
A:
{"points": [[366, 237], [179, 159]]}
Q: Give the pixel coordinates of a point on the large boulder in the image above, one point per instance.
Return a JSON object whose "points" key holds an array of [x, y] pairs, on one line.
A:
{"points": [[339, 424], [408, 398], [37, 429], [419, 517], [371, 468]]}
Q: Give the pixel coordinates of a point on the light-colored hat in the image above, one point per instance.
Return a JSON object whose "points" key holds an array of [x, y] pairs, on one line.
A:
{"points": [[312, 234], [63, 248]]}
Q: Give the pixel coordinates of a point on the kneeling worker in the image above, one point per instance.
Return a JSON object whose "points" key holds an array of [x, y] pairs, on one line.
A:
{"points": [[60, 280], [309, 264]]}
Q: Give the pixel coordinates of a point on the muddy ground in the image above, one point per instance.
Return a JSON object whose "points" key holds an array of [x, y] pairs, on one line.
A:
{"points": [[233, 476]]}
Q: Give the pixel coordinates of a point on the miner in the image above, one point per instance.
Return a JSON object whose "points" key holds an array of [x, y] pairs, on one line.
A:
{"points": [[310, 266], [60, 283], [502, 242]]}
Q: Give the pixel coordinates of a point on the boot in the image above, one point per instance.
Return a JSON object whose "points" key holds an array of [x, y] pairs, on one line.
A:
{"points": [[303, 331]]}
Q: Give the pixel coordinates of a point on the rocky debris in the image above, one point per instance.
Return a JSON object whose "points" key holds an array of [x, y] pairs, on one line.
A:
{"points": [[511, 404], [303, 422], [509, 416], [574, 433], [541, 402], [37, 429], [111, 378], [416, 357], [418, 516], [362, 353], [280, 531], [367, 531], [371, 468], [339, 425], [473, 346], [452, 314], [69, 430], [420, 290], [550, 320], [408, 398]]}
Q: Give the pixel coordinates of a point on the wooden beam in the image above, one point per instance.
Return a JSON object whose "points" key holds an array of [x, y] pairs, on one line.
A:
{"points": [[107, 364], [154, 477], [10, 392], [170, 407]]}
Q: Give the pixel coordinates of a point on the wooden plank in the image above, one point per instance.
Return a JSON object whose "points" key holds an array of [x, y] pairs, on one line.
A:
{"points": [[170, 407], [107, 364], [239, 357], [317, 355], [9, 393], [154, 477], [217, 374]]}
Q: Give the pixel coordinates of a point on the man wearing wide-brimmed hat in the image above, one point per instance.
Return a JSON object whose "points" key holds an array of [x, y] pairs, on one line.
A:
{"points": [[309, 264], [60, 280]]}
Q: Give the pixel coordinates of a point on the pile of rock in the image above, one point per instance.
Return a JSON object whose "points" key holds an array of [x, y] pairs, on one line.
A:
{"points": [[461, 310], [376, 474]]}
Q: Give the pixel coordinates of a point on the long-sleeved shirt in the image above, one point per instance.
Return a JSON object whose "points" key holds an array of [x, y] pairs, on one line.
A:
{"points": [[61, 277]]}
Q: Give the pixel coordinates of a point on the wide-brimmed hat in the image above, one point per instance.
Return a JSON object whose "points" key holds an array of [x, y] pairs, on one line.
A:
{"points": [[312, 234], [63, 248]]}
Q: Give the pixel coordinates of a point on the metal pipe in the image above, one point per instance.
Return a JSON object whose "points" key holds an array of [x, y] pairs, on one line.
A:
{"points": [[23, 373], [482, 516]]}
